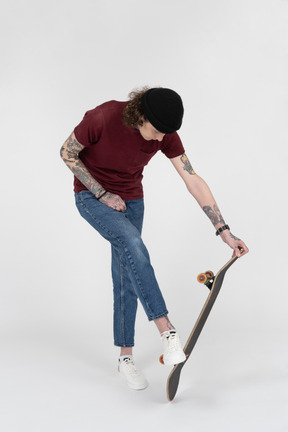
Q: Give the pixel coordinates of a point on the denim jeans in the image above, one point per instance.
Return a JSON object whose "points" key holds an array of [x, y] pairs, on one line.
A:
{"points": [[132, 273]]}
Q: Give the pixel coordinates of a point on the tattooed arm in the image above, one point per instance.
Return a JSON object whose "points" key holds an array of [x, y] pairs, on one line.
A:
{"points": [[70, 155], [203, 195]]}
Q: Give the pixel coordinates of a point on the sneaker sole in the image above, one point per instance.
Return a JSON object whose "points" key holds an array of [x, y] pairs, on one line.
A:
{"points": [[135, 387]]}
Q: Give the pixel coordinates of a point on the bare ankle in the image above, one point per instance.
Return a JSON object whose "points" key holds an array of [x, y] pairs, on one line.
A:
{"points": [[126, 351], [163, 324]]}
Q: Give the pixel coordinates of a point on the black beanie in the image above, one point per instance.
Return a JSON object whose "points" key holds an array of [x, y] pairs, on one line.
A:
{"points": [[163, 108]]}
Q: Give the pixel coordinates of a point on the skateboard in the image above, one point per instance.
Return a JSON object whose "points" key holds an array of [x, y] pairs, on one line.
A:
{"points": [[214, 284]]}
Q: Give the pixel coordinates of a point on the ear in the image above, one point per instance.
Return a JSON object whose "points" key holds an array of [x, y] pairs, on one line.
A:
{"points": [[142, 120]]}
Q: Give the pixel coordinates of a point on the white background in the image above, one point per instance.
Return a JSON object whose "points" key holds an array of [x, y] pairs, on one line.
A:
{"points": [[229, 62]]}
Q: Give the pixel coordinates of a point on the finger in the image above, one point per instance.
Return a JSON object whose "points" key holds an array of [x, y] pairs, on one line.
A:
{"points": [[123, 205], [244, 247], [237, 252], [242, 250]]}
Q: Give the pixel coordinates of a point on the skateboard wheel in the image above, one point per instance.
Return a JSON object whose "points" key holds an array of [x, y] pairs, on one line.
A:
{"points": [[209, 274], [202, 278], [161, 359]]}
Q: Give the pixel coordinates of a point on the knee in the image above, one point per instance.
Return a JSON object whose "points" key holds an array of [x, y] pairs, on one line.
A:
{"points": [[137, 248]]}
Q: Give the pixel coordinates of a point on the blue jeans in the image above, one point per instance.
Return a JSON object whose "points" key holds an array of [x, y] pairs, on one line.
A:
{"points": [[132, 273]]}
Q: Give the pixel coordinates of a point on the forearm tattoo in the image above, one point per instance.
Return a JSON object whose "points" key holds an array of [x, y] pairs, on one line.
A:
{"points": [[187, 166], [70, 155], [214, 214]]}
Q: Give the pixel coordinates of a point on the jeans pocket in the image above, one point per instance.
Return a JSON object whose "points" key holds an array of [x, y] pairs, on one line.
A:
{"points": [[84, 194]]}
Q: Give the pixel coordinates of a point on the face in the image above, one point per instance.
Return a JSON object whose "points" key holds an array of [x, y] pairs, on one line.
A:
{"points": [[148, 132]]}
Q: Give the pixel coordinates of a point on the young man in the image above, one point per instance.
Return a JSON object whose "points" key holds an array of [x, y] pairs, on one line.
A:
{"points": [[107, 152]]}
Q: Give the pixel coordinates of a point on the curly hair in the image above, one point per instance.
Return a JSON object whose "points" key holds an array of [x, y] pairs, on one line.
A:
{"points": [[133, 114]]}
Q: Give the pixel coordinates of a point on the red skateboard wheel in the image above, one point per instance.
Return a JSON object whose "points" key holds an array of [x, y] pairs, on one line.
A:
{"points": [[161, 359], [202, 278]]}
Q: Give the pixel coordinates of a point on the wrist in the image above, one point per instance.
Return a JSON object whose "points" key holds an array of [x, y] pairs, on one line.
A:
{"points": [[101, 194], [222, 229]]}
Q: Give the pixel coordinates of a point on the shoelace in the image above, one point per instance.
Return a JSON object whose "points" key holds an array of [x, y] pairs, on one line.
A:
{"points": [[131, 367], [173, 344]]}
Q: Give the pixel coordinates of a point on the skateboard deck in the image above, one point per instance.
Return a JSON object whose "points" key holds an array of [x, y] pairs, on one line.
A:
{"points": [[214, 283]]}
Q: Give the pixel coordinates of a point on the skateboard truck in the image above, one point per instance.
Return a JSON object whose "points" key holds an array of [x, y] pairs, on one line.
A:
{"points": [[206, 278]]}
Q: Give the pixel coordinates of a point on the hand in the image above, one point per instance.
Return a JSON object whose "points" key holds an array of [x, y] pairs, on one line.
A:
{"points": [[113, 201], [236, 244]]}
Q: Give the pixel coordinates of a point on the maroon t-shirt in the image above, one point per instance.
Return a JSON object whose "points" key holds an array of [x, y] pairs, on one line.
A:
{"points": [[115, 154]]}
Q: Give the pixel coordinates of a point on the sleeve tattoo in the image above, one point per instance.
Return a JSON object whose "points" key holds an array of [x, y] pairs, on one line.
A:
{"points": [[69, 152], [214, 214], [70, 155]]}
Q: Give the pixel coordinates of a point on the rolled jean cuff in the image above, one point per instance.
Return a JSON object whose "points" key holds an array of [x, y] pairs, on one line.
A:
{"points": [[123, 346], [158, 316]]}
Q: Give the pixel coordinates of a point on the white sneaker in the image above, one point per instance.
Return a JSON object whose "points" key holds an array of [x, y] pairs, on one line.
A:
{"points": [[173, 353], [134, 378]]}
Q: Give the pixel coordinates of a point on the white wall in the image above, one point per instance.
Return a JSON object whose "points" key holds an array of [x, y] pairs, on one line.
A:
{"points": [[228, 60]]}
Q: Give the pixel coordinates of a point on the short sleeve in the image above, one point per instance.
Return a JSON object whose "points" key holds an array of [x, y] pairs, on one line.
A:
{"points": [[90, 128], [172, 145]]}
